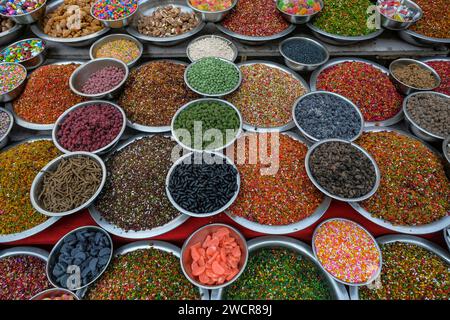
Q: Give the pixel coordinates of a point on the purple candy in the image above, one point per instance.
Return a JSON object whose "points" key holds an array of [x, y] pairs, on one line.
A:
{"points": [[103, 80]]}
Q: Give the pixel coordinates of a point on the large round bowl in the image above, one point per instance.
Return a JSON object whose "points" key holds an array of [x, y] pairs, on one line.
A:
{"points": [[391, 24], [418, 39], [4, 139], [149, 244], [24, 251], [337, 290], [338, 40], [132, 234], [315, 75], [29, 17], [299, 18], [11, 34], [288, 228], [425, 244], [72, 42], [212, 16], [421, 229], [40, 227], [147, 7]]}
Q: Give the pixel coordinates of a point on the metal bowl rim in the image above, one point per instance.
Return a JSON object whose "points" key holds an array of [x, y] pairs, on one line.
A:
{"points": [[301, 15], [228, 41], [25, 250], [369, 36], [117, 35], [445, 149], [426, 38], [21, 82], [10, 126], [15, 28], [420, 63], [315, 42], [420, 11], [66, 291], [204, 11], [117, 20], [44, 47], [25, 14], [285, 32]]}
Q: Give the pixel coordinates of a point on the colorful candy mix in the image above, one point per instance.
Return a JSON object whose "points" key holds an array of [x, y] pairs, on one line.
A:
{"points": [[396, 10], [282, 198], [410, 272], [22, 51], [366, 86], [266, 95], [299, 7], [11, 76], [113, 9], [443, 69], [347, 251], [414, 189], [19, 7], [122, 49], [435, 22], [211, 5], [256, 18], [279, 274], [22, 277], [146, 274], [20, 165], [47, 94], [216, 259]]}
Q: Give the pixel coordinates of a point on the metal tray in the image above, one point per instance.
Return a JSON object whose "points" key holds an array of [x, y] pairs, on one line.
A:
{"points": [[30, 125], [159, 245], [289, 228], [146, 7], [428, 245], [339, 292], [422, 229], [313, 83], [421, 40], [131, 234], [271, 64], [40, 227], [341, 40]]}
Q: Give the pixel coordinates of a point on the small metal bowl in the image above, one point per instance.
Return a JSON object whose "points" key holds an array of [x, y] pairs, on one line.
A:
{"points": [[188, 105], [29, 17], [14, 93], [317, 184], [216, 95], [4, 138], [54, 254], [297, 18], [313, 139], [415, 128], [446, 149], [199, 236], [83, 72], [206, 214], [54, 292], [302, 67], [102, 150], [212, 16], [33, 62], [97, 44], [405, 88], [229, 42], [391, 24], [51, 166], [11, 34], [115, 24]]}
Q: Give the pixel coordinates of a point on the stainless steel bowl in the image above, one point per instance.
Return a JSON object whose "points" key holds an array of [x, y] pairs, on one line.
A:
{"points": [[420, 132], [187, 106], [351, 284], [115, 24], [102, 150], [54, 292], [447, 237], [313, 139], [199, 236], [254, 41], [341, 40], [392, 24], [205, 214], [147, 7], [213, 16], [33, 62], [72, 42], [97, 44], [435, 226], [145, 245], [4, 238], [11, 34], [337, 290], [215, 95], [299, 19], [446, 149], [15, 92], [315, 75], [24, 251], [229, 42], [323, 190], [405, 88], [4, 138], [418, 39], [420, 242], [54, 254], [81, 75], [36, 186], [288, 228], [29, 17], [303, 67], [289, 125]]}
